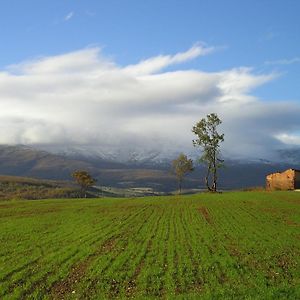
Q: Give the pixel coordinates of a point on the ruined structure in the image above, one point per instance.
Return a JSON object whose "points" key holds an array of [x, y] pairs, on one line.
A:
{"points": [[287, 180]]}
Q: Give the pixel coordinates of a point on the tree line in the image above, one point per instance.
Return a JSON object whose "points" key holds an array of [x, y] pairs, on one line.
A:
{"points": [[208, 139]]}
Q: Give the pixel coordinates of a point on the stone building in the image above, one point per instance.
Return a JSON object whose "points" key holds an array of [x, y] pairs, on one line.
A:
{"points": [[287, 180]]}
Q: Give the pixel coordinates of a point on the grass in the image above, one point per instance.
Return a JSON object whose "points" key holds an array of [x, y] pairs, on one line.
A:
{"points": [[243, 245]]}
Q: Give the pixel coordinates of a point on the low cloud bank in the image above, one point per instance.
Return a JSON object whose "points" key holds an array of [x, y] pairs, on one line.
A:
{"points": [[85, 98]]}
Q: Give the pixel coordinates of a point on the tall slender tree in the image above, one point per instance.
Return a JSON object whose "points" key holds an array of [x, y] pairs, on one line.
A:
{"points": [[209, 140]]}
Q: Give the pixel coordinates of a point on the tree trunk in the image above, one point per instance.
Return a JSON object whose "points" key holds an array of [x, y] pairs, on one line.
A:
{"points": [[215, 182], [207, 179], [214, 186]]}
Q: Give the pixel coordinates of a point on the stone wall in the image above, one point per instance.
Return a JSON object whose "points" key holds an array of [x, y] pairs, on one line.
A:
{"points": [[281, 181]]}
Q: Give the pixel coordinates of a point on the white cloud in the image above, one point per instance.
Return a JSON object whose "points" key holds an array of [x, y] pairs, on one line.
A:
{"points": [[84, 98], [155, 64], [283, 61], [69, 16], [77, 62], [289, 139], [236, 84]]}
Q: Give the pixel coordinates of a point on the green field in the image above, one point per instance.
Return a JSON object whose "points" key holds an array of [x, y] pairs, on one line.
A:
{"points": [[242, 245]]}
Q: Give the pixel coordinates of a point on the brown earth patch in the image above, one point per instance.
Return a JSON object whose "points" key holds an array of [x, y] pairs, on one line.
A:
{"points": [[270, 210], [291, 223], [66, 286], [29, 213], [6, 206], [234, 251], [288, 199], [294, 201], [249, 203], [108, 245], [206, 215], [284, 263], [60, 289]]}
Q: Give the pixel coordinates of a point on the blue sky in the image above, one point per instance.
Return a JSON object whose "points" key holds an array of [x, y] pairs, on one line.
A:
{"points": [[251, 32], [251, 41]]}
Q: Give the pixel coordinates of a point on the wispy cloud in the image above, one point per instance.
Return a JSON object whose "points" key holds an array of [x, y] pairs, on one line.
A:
{"points": [[283, 61], [69, 16], [157, 63]]}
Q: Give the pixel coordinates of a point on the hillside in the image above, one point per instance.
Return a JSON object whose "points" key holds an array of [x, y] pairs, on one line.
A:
{"points": [[28, 161], [13, 187], [211, 246]]}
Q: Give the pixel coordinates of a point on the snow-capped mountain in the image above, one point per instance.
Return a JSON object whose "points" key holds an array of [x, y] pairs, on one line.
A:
{"points": [[134, 167], [126, 155], [134, 154]]}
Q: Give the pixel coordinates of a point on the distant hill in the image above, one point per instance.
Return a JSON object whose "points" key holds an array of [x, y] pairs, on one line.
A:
{"points": [[31, 162], [15, 187], [27, 161]]}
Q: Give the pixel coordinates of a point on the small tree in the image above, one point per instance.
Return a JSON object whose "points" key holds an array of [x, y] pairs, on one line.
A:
{"points": [[181, 166], [209, 140], [84, 180]]}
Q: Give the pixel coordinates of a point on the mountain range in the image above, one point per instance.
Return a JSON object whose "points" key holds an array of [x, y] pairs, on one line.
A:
{"points": [[149, 169]]}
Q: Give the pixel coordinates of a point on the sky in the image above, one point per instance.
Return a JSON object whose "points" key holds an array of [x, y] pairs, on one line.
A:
{"points": [[113, 73]]}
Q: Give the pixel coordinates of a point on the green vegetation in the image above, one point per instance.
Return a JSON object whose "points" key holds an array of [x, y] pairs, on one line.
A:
{"points": [[182, 166], [209, 140], [13, 187], [244, 245], [84, 180]]}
